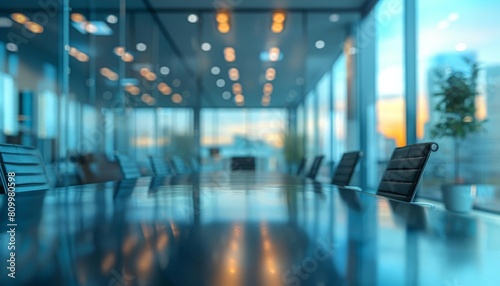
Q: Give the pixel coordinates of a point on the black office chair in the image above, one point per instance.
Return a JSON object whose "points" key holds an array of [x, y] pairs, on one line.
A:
{"points": [[404, 170], [128, 167], [27, 165], [313, 171], [345, 169], [243, 163], [179, 165], [301, 167], [160, 168]]}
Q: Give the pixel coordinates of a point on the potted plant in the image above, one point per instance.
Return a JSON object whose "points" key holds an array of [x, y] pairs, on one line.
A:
{"points": [[293, 149], [457, 92]]}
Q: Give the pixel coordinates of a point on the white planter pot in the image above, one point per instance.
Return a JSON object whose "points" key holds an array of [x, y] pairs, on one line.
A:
{"points": [[459, 197]]}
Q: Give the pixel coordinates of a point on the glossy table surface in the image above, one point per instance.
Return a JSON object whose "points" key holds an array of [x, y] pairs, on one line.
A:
{"points": [[241, 228]]}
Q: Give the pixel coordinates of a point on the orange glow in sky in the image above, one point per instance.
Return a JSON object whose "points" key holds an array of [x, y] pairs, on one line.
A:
{"points": [[391, 118]]}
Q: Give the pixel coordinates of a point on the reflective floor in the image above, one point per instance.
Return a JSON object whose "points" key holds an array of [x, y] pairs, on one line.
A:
{"points": [[242, 228]]}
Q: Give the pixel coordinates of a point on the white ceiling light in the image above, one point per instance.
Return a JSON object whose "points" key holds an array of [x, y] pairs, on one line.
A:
{"points": [[141, 47], [5, 22], [112, 19], [226, 95], [164, 70], [11, 47], [193, 18], [334, 18], [220, 83], [206, 47], [319, 44], [215, 70]]}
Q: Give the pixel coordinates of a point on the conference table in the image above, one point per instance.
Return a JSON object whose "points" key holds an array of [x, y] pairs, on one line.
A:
{"points": [[241, 228]]}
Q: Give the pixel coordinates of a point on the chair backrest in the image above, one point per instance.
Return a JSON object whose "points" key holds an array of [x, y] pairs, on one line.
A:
{"points": [[243, 163], [179, 165], [160, 167], [313, 171], [345, 169], [404, 170], [301, 167], [27, 165], [128, 167]]}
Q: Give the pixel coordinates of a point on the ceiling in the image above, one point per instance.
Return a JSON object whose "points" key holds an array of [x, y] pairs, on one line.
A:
{"points": [[175, 43]]}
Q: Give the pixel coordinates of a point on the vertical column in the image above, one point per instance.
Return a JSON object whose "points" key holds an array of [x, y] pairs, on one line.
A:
{"points": [[62, 143], [196, 131], [365, 41], [292, 119], [2, 69], [410, 54]]}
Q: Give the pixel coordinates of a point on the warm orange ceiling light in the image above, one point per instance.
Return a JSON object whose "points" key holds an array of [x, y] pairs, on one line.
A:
{"points": [[237, 88], [77, 17], [222, 17], [279, 17], [128, 57], [177, 98], [277, 27], [239, 98], [144, 72], [34, 27], [229, 54], [234, 74], [270, 74], [224, 28], [19, 18]]}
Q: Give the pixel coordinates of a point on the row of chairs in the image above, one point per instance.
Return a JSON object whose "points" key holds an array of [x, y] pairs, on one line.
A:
{"points": [[401, 176], [24, 166], [176, 165], [399, 181]]}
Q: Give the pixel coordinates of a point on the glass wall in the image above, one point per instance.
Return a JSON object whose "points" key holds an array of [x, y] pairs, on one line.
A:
{"points": [[324, 94], [466, 32], [390, 93], [243, 132]]}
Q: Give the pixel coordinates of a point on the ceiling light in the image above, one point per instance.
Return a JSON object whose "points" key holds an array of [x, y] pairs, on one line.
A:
{"points": [[127, 57], [141, 47], [274, 54], [176, 82], [268, 89], [34, 27], [144, 71], [77, 17], [239, 98], [224, 28], [206, 47], [164, 88], [19, 18], [277, 27], [334, 18], [299, 81], [82, 57], [460, 47], [192, 18], [151, 76], [237, 88], [222, 17], [220, 83], [119, 51], [215, 70], [234, 74], [177, 98], [132, 89], [112, 19], [229, 54], [279, 17], [270, 74], [111, 75], [164, 70], [90, 28], [5, 22], [226, 95], [319, 44], [11, 47]]}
